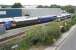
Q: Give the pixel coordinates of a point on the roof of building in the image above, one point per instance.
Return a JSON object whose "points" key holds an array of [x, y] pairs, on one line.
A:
{"points": [[45, 11]]}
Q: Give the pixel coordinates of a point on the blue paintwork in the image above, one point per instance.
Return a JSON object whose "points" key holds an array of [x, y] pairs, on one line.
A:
{"points": [[8, 24], [47, 19], [11, 13]]}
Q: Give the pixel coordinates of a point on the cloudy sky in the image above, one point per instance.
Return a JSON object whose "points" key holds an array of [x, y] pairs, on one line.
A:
{"points": [[39, 2]]}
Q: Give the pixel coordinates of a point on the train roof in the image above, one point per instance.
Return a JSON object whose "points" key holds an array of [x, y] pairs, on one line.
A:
{"points": [[47, 16], [17, 19], [64, 14], [6, 19]]}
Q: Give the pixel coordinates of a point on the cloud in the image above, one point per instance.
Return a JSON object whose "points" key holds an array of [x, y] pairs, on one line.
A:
{"points": [[40, 2]]}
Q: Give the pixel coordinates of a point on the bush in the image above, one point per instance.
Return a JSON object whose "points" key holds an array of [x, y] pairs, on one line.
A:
{"points": [[45, 34], [23, 45], [73, 20]]}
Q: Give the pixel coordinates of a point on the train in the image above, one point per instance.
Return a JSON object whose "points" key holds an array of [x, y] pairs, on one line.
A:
{"points": [[22, 21], [64, 16]]}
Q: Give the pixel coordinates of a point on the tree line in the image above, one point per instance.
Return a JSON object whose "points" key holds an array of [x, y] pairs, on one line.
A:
{"points": [[67, 8]]}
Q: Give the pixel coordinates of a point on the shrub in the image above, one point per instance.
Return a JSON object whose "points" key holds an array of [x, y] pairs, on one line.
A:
{"points": [[73, 20], [45, 34], [24, 45]]}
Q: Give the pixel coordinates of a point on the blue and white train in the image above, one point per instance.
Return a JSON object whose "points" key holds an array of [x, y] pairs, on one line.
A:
{"points": [[25, 21]]}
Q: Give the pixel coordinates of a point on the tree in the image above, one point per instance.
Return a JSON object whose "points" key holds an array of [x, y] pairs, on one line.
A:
{"points": [[40, 6], [55, 6], [17, 5], [6, 6], [52, 6], [46, 6], [68, 8]]}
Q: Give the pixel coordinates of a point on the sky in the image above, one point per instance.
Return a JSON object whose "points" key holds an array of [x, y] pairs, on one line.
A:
{"points": [[39, 2]]}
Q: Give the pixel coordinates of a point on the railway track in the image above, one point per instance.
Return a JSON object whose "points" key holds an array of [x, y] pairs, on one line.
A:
{"points": [[10, 34]]}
